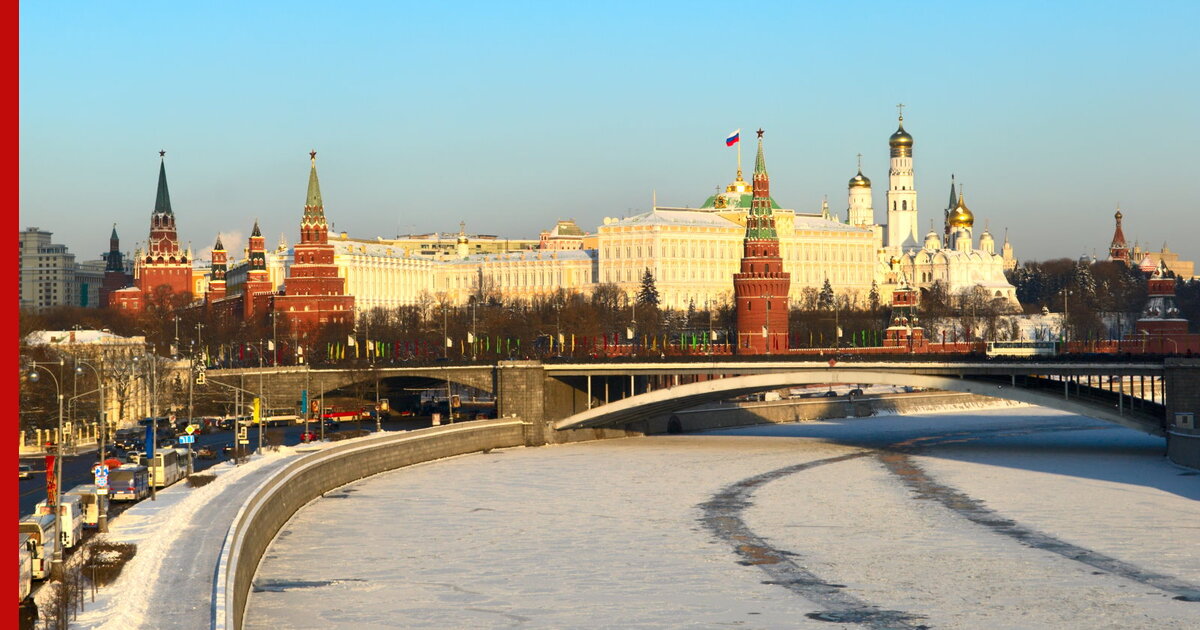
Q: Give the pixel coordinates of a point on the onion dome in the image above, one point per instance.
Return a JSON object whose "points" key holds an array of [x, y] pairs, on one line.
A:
{"points": [[901, 138], [860, 181], [961, 216]]}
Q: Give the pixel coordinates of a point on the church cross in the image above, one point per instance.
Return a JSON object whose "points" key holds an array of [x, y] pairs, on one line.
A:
{"points": [[900, 108]]}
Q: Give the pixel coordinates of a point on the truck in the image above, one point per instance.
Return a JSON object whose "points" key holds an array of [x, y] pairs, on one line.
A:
{"points": [[93, 502], [41, 531], [130, 482]]}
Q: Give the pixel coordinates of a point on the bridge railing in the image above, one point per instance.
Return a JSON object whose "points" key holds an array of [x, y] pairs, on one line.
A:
{"points": [[266, 511]]}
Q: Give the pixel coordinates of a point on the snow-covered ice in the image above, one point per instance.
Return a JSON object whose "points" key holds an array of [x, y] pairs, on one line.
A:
{"points": [[639, 533]]}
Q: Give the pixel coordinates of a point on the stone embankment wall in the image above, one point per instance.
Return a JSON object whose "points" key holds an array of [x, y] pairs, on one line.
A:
{"points": [[268, 509]]}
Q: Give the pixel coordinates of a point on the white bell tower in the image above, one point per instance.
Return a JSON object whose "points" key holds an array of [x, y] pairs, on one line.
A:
{"points": [[902, 195]]}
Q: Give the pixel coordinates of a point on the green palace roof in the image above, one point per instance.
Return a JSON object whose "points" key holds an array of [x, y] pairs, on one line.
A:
{"points": [[742, 202]]}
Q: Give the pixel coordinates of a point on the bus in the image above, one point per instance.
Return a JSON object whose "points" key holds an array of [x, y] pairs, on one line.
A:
{"points": [[25, 555], [41, 530], [93, 502], [1021, 348], [129, 483], [70, 511], [165, 468]]}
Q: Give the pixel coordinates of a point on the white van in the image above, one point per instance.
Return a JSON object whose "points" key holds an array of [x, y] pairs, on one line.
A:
{"points": [[70, 524], [93, 502], [41, 531]]}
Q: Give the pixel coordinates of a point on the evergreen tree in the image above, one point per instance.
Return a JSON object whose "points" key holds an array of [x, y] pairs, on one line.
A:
{"points": [[826, 297], [648, 294], [874, 296]]}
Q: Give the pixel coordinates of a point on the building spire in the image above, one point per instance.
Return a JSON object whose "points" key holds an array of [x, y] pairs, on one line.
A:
{"points": [[162, 202], [256, 232], [760, 163], [218, 245], [313, 205]]}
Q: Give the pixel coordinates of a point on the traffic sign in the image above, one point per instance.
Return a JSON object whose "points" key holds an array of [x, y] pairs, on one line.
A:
{"points": [[100, 473], [191, 428], [243, 441], [187, 439]]}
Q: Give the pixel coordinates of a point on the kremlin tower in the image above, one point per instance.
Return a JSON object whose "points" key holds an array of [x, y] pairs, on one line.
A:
{"points": [[162, 265], [1119, 250], [216, 282], [115, 277], [761, 288], [258, 283], [314, 294], [860, 211]]}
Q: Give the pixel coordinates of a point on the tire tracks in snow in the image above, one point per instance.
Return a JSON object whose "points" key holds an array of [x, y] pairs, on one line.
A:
{"points": [[723, 516]]}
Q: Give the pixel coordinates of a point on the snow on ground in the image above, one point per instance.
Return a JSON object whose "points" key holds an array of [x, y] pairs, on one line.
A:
{"points": [[168, 584], [615, 533]]}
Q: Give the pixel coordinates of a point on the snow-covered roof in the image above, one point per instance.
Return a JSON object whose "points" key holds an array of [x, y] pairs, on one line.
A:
{"points": [[660, 216], [46, 337], [816, 223]]}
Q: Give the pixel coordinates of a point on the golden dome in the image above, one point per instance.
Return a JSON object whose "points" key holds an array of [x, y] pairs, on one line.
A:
{"points": [[900, 138], [860, 181], [962, 216]]}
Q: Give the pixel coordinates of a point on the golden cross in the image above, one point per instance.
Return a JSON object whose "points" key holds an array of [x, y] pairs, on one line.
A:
{"points": [[900, 108]]}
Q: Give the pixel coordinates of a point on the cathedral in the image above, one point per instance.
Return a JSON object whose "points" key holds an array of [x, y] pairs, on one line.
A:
{"points": [[952, 257]]}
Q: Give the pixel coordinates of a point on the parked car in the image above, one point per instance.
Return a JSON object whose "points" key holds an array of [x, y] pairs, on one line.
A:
{"points": [[26, 471], [856, 392], [206, 452], [134, 457], [229, 450], [829, 394], [308, 436]]}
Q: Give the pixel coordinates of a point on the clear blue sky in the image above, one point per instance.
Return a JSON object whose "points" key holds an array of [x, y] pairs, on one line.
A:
{"points": [[510, 115]]}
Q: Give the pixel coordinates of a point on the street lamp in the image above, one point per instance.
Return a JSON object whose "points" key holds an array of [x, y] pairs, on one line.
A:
{"points": [[56, 566], [102, 525]]}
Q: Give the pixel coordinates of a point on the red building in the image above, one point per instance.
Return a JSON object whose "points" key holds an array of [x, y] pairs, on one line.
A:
{"points": [[905, 331], [761, 288], [313, 293], [1162, 329], [162, 271]]}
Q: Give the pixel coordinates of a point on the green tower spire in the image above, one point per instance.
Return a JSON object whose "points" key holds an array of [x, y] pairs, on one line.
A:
{"points": [[760, 163], [314, 207], [162, 203]]}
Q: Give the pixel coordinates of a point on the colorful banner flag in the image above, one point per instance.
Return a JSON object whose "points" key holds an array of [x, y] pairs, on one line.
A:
{"points": [[733, 138]]}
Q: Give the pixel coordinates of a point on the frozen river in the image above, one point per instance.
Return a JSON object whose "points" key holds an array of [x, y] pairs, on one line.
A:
{"points": [[1006, 518]]}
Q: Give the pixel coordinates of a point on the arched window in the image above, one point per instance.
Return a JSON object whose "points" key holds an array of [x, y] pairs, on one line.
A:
{"points": [[904, 205], [893, 205]]}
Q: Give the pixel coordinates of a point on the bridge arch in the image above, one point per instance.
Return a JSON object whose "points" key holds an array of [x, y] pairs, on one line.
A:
{"points": [[665, 401]]}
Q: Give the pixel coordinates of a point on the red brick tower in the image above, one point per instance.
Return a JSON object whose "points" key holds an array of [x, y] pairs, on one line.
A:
{"points": [[1160, 315], [257, 289], [115, 277], [314, 294], [216, 280], [164, 263], [904, 331], [761, 288], [1119, 250]]}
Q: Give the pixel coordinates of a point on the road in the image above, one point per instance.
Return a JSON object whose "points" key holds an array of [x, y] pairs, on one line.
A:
{"points": [[77, 469]]}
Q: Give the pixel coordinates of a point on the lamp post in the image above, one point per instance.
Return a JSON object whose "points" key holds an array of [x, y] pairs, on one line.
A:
{"points": [[56, 566], [153, 417], [102, 525]]}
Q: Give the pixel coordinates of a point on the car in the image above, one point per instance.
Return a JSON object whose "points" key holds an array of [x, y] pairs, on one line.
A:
{"points": [[229, 450], [829, 394], [856, 392], [407, 413], [26, 471], [134, 457], [308, 436], [206, 452], [330, 423]]}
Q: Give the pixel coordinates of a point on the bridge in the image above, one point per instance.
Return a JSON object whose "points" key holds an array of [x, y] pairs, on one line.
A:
{"points": [[1159, 396]]}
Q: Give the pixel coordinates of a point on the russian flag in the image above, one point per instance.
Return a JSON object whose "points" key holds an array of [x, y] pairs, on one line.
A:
{"points": [[733, 138]]}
